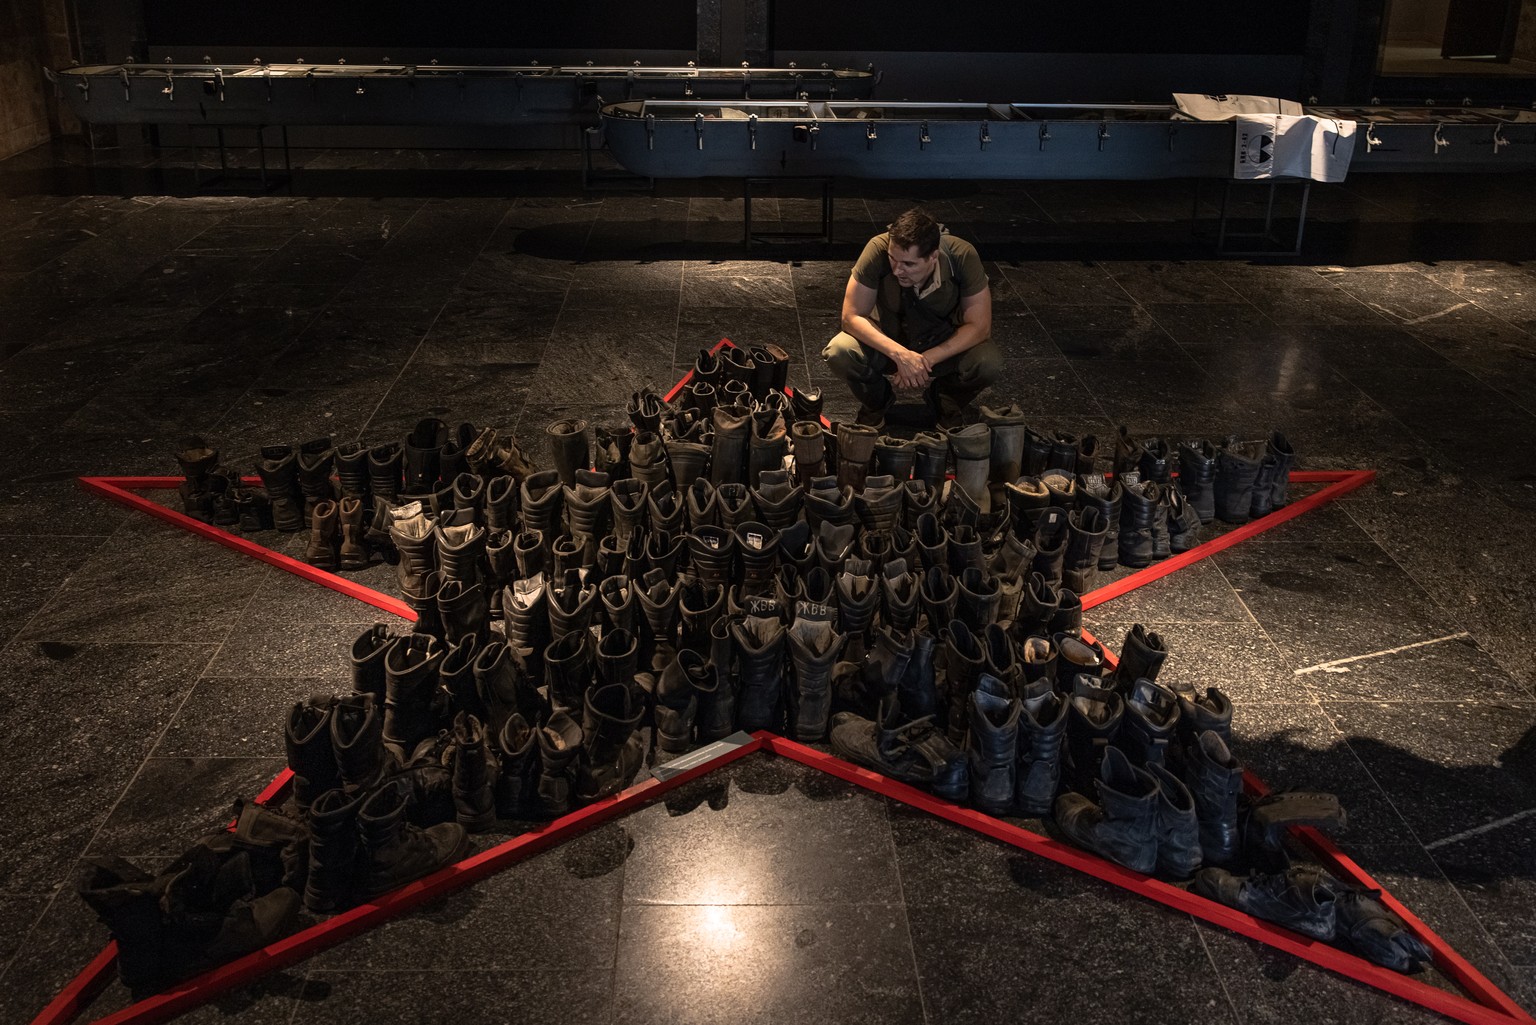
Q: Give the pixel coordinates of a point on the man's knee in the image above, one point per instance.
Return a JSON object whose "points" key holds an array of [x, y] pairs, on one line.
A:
{"points": [[847, 357], [980, 366]]}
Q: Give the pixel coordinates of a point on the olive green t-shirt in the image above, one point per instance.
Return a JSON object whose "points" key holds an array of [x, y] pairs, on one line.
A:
{"points": [[921, 319]]}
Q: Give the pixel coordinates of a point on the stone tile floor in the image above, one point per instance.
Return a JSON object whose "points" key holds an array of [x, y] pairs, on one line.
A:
{"points": [[148, 670]]}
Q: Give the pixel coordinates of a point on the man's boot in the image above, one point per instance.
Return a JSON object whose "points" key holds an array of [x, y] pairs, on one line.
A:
{"points": [[333, 851], [410, 683], [814, 647], [932, 462], [971, 448], [1151, 719], [321, 551], [385, 468], [1138, 516], [1087, 531], [1052, 532], [1096, 492], [1237, 468], [1304, 898], [1215, 779], [712, 554], [560, 742], [759, 640], [1141, 658], [197, 460], [1183, 523], [1201, 712], [627, 499], [311, 756], [1178, 829], [778, 498], [806, 404], [1094, 716], [614, 750], [715, 682], [828, 502], [357, 740], [517, 779], [648, 459], [572, 605], [1123, 826], [808, 442], [895, 457], [569, 449], [898, 595], [1263, 486], [543, 504], [728, 453], [368, 652], [920, 500], [1077, 657], [1063, 453], [992, 746], [918, 687], [525, 616], [1197, 477], [1028, 498], [1037, 659], [413, 537], [677, 700], [965, 660], [1155, 462], [568, 667], [758, 544], [767, 448], [617, 658], [354, 550], [475, 766], [858, 596], [1062, 488], [588, 508], [279, 472], [1279, 449], [1042, 730], [938, 593], [423, 452], [1008, 431], [316, 462], [658, 598], [911, 752], [394, 852], [979, 598], [464, 611], [469, 498], [878, 505], [855, 449], [460, 551]]}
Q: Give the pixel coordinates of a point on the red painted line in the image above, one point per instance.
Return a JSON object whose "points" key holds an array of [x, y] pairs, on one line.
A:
{"points": [[1322, 954], [199, 990], [81, 990], [724, 343], [116, 489], [1343, 483]]}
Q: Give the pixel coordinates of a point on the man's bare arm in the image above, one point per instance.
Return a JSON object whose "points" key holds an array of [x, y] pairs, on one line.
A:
{"points": [[975, 328], [858, 304]]}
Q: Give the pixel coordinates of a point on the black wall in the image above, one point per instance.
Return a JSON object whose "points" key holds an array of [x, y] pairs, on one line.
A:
{"points": [[401, 24]]}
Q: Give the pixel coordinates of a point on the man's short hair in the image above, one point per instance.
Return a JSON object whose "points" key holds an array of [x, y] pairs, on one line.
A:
{"points": [[915, 229]]}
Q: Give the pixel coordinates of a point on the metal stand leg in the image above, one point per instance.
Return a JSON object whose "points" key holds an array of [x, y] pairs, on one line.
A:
{"points": [[825, 235], [592, 178], [1271, 244]]}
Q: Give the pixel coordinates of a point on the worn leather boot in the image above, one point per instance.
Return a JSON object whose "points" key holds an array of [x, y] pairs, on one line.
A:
{"points": [[394, 852], [965, 659], [1042, 730], [992, 745], [1037, 659], [758, 545], [357, 739], [918, 688], [1028, 498], [410, 685], [1197, 477], [716, 683], [525, 616], [1138, 516], [1304, 898], [414, 539], [1279, 449], [197, 460], [543, 503], [1263, 486], [1087, 531], [1183, 523], [689, 461], [279, 472], [368, 652], [728, 453], [463, 610], [569, 669], [1063, 453], [932, 458], [858, 597], [932, 542], [712, 555], [814, 647], [807, 404], [912, 752], [808, 441], [1178, 829], [1237, 468], [920, 500], [855, 449], [971, 448], [778, 498], [475, 767], [1052, 532], [354, 551], [828, 502], [1008, 432], [1155, 461], [702, 500], [1151, 721], [760, 642], [423, 453], [1123, 825], [733, 505], [658, 598], [517, 780], [1215, 779], [938, 593], [569, 448], [767, 448], [385, 464], [321, 551], [560, 743], [1201, 712], [677, 701], [894, 457], [979, 598], [572, 605], [898, 595], [648, 459], [469, 498], [628, 500], [1127, 452], [333, 851], [588, 509], [614, 750], [1141, 658], [1094, 491], [460, 552], [316, 462], [1094, 715], [311, 756]]}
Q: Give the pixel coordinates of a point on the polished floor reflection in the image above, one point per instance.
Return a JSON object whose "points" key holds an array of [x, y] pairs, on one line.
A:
{"points": [[148, 670]]}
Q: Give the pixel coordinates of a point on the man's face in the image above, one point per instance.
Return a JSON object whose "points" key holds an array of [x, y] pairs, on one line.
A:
{"points": [[911, 269]]}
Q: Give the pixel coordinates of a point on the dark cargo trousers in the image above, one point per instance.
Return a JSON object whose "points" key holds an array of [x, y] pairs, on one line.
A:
{"points": [[956, 381]]}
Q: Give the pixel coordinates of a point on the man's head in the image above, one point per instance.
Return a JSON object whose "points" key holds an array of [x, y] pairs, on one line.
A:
{"points": [[914, 250]]}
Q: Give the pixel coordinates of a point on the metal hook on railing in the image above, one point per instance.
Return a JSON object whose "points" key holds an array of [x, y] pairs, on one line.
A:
{"points": [[629, 85], [127, 84], [815, 130], [170, 85], [1440, 140], [650, 131], [218, 82], [1372, 140], [1045, 133], [84, 85], [746, 82], [752, 130], [923, 138], [698, 128], [266, 78], [1499, 142], [1103, 133], [870, 135], [459, 78], [986, 134]]}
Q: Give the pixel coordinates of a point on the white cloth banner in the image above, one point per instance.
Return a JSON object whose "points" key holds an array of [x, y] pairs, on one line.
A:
{"points": [[1290, 146], [1225, 107]]}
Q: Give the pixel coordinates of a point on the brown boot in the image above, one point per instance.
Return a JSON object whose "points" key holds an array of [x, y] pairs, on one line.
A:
{"points": [[321, 552], [354, 554]]}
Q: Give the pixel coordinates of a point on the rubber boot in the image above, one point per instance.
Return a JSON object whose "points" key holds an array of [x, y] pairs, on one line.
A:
{"points": [[333, 851], [814, 647], [543, 504], [394, 852], [1279, 448], [1141, 658], [1215, 779], [760, 642], [1138, 515], [569, 448], [560, 742], [1123, 825], [311, 757], [614, 750], [410, 682], [855, 449], [1178, 828], [1197, 477], [932, 463], [1094, 715], [368, 653], [1150, 724], [971, 448], [808, 443], [992, 746], [1087, 531], [279, 472], [1042, 730], [778, 498], [357, 740], [321, 551], [1008, 431], [474, 774], [1237, 467]]}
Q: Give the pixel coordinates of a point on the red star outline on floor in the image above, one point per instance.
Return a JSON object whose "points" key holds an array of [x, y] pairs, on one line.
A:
{"points": [[1483, 1004]]}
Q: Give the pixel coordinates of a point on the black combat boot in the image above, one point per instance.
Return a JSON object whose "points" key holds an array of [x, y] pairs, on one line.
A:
{"points": [[1076, 657], [525, 616], [1150, 724], [918, 688], [1237, 470], [517, 781], [1197, 477], [1094, 715], [368, 653], [543, 504], [858, 597], [324, 534], [475, 767], [894, 457], [1139, 507], [1052, 532], [728, 454], [1215, 779], [760, 641], [767, 447], [394, 852], [569, 448], [1178, 829], [677, 700], [423, 452], [965, 659], [808, 442], [658, 600], [1123, 825], [814, 647], [279, 472], [1042, 730], [560, 743], [614, 750], [778, 498], [1183, 523], [410, 682], [333, 851], [898, 595], [385, 466], [316, 463], [1201, 712], [912, 752], [1028, 499], [572, 605], [311, 756], [992, 745], [1279, 449], [1087, 534], [979, 598], [1096, 492], [1141, 658]]}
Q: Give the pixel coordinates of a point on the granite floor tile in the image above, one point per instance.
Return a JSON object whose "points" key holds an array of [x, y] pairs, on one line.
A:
{"points": [[34, 569], [173, 801], [1236, 658], [240, 716], [473, 997]]}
